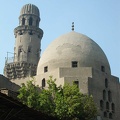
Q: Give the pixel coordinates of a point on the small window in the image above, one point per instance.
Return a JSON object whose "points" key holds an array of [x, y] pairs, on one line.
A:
{"points": [[46, 69], [105, 114], [110, 115], [29, 49], [104, 95], [106, 82], [30, 21], [107, 106], [43, 82], [101, 105], [102, 68], [109, 96], [113, 107], [76, 83], [23, 21], [74, 64]]}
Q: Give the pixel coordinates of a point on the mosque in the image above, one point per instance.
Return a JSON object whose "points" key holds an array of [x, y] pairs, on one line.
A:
{"points": [[72, 57]]}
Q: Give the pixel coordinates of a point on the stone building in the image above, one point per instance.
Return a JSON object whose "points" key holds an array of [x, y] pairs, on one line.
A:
{"points": [[28, 37], [70, 57], [76, 57]]}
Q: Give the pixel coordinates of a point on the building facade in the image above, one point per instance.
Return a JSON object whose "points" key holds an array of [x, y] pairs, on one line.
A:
{"points": [[76, 57], [70, 57]]}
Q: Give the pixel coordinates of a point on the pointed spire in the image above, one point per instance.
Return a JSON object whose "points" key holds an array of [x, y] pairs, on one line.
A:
{"points": [[72, 26]]}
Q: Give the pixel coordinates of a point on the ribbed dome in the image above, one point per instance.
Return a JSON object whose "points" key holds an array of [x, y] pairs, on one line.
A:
{"points": [[73, 46], [30, 9]]}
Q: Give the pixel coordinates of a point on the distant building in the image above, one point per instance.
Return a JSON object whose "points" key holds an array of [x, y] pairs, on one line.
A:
{"points": [[71, 57]]}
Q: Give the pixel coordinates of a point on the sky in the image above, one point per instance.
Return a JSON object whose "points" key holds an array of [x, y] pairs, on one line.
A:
{"points": [[98, 19]]}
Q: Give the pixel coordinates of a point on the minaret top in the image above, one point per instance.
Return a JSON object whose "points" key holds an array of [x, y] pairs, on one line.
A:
{"points": [[30, 9], [72, 26]]}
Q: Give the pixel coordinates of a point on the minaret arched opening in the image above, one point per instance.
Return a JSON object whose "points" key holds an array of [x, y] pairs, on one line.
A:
{"points": [[23, 21], [30, 21]]}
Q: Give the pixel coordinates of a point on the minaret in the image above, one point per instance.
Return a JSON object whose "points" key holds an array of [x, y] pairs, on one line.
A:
{"points": [[27, 48]]}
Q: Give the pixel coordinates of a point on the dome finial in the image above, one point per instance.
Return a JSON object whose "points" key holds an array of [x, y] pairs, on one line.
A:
{"points": [[72, 26]]}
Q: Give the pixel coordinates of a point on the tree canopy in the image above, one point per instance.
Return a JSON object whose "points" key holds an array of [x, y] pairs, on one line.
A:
{"points": [[65, 103]]}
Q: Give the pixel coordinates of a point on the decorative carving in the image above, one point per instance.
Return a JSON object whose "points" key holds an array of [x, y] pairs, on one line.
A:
{"points": [[20, 70]]}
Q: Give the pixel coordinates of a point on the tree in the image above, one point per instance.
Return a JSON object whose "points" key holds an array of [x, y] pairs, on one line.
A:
{"points": [[65, 103], [29, 94]]}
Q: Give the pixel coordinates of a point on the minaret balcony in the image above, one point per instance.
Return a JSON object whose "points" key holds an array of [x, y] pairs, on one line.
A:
{"points": [[22, 29]]}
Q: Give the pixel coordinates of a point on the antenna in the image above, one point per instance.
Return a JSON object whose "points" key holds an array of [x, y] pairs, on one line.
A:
{"points": [[72, 26]]}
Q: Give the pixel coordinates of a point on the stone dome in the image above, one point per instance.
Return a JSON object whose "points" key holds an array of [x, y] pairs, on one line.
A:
{"points": [[30, 9], [70, 47]]}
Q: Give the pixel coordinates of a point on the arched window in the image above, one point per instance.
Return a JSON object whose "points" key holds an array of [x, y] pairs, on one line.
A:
{"points": [[43, 82], [101, 105], [105, 114], [109, 96], [20, 53], [104, 95], [110, 115], [46, 69], [23, 21], [113, 107], [30, 21], [106, 82], [29, 49], [103, 68], [107, 106]]}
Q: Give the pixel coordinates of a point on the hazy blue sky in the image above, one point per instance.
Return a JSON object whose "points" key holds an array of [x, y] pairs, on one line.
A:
{"points": [[98, 19]]}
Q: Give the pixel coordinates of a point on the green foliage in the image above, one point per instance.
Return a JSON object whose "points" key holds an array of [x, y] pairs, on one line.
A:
{"points": [[29, 94], [65, 103]]}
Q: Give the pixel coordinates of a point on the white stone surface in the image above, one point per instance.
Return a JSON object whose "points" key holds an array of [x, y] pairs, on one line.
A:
{"points": [[73, 46]]}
